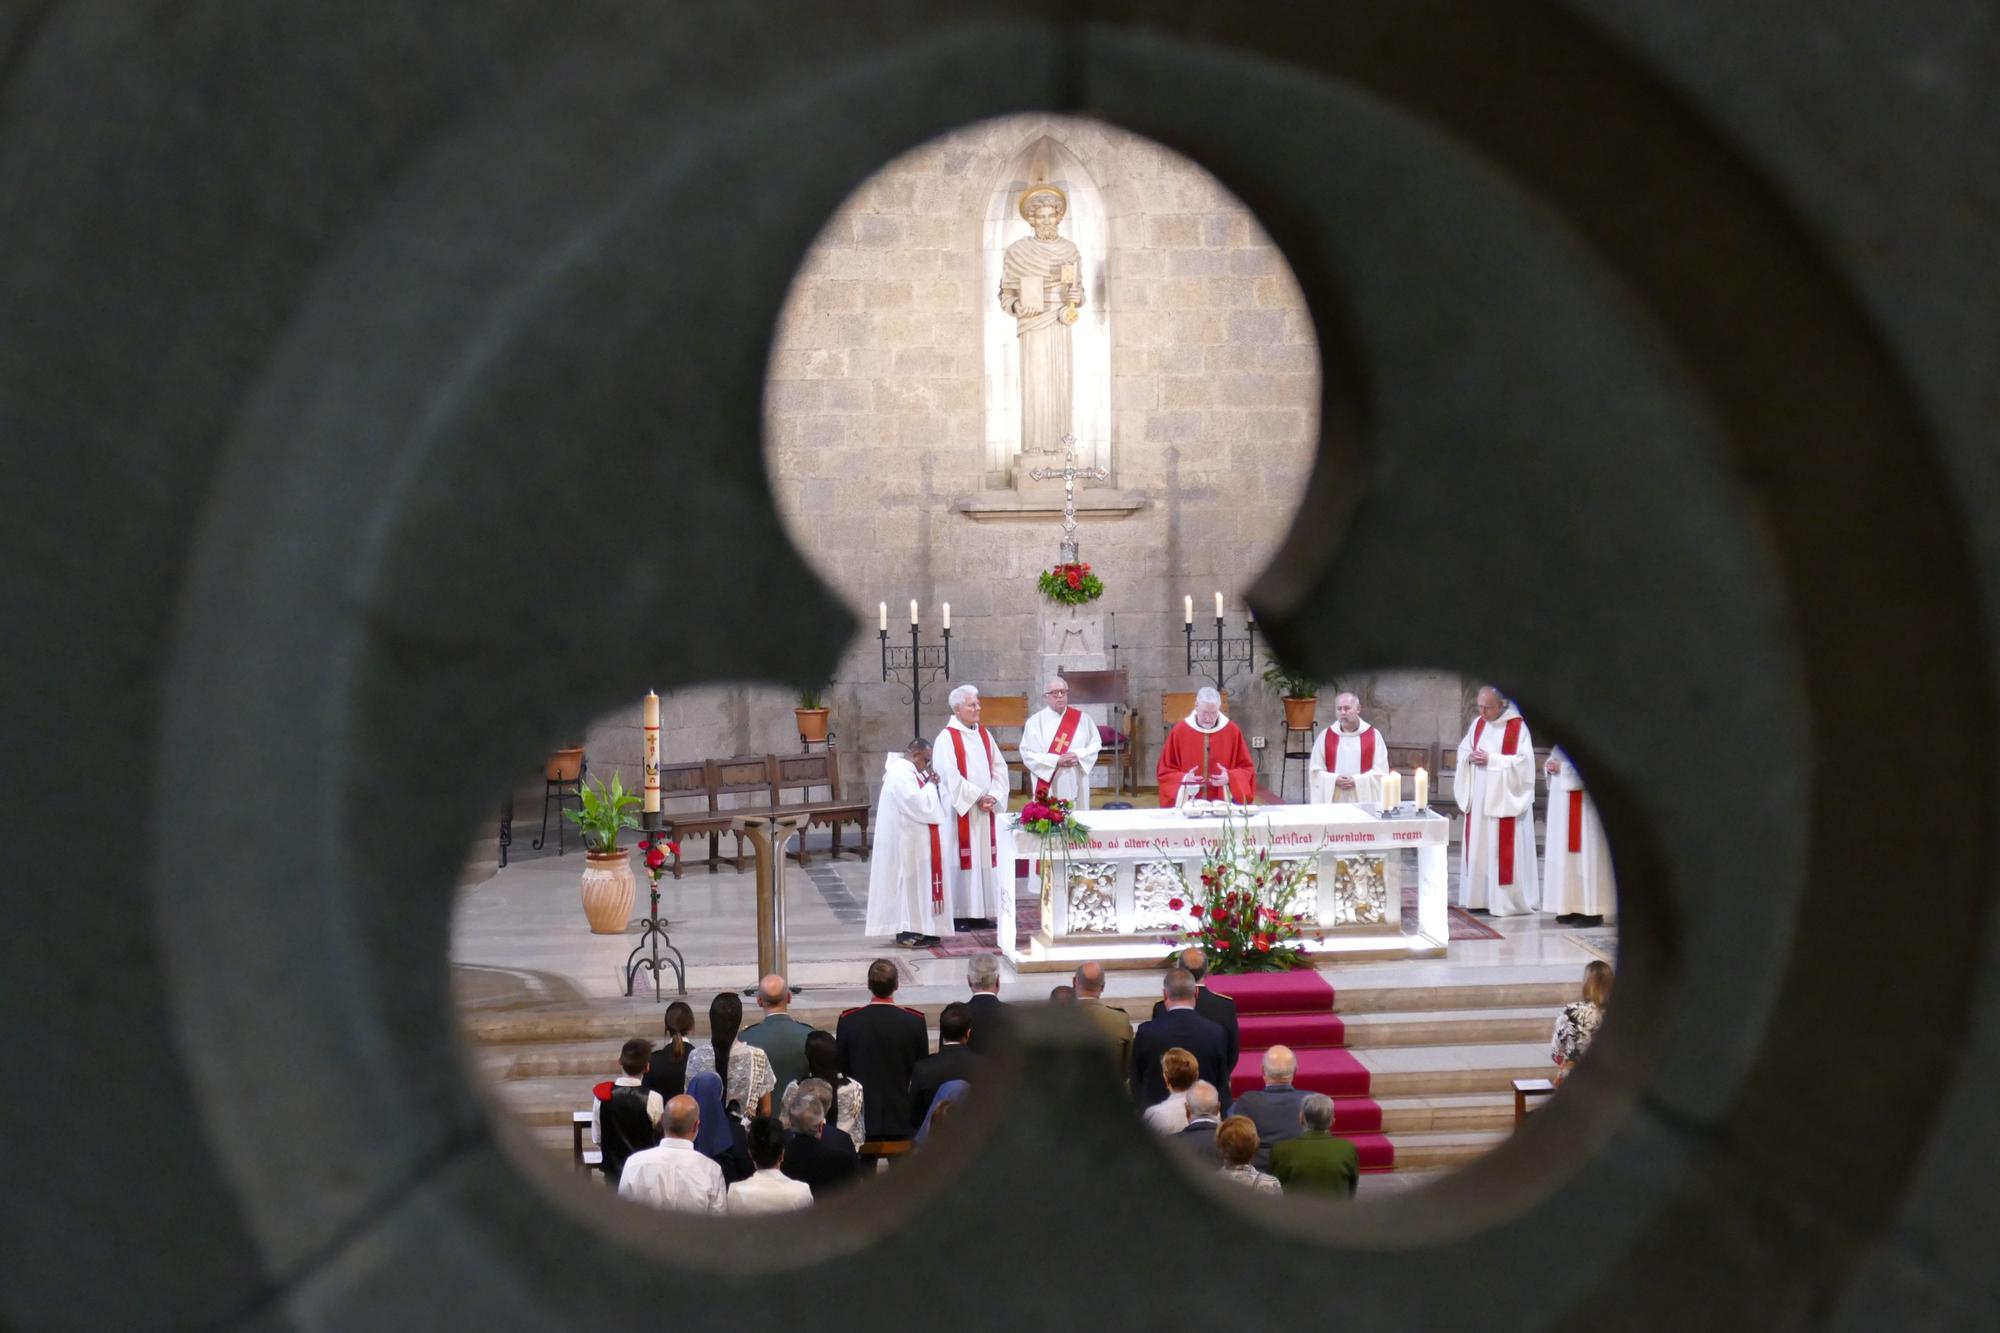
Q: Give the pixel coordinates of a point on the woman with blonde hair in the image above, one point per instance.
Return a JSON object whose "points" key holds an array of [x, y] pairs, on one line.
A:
{"points": [[1577, 1024], [1236, 1140]]}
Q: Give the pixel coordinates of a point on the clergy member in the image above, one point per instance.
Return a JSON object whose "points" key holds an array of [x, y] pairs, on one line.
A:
{"points": [[1495, 786], [906, 882], [1059, 746], [968, 760], [1348, 758], [1232, 773], [1576, 881]]}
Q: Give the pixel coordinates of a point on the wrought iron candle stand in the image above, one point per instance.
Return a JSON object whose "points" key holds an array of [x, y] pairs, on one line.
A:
{"points": [[653, 938], [1223, 653], [923, 662]]}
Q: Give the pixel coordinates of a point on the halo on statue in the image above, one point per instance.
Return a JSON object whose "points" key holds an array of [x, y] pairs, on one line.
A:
{"points": [[1056, 191]]}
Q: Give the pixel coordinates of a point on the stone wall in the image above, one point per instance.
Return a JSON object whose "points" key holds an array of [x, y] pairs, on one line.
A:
{"points": [[875, 425]]}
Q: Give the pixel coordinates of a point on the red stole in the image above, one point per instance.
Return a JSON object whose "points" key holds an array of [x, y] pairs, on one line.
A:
{"points": [[1059, 746], [937, 870], [1367, 747], [1576, 819], [965, 820], [1508, 743]]}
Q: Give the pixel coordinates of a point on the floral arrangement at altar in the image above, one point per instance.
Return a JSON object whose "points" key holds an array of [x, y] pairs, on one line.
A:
{"points": [[1052, 822], [1242, 917], [1070, 584]]}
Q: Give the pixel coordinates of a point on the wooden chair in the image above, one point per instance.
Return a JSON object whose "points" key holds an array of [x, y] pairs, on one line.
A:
{"points": [[1525, 1088], [1006, 712], [1115, 689], [1175, 705], [562, 782]]}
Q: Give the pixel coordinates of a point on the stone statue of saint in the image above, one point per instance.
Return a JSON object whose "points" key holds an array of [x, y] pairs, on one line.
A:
{"points": [[1041, 285]]}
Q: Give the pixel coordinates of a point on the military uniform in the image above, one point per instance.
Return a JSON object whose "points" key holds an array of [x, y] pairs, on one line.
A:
{"points": [[880, 1044]]}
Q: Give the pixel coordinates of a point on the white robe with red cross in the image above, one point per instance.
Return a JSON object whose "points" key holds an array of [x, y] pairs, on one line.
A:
{"points": [[907, 890], [1498, 870], [1361, 754], [1049, 736], [1576, 870], [971, 766]]}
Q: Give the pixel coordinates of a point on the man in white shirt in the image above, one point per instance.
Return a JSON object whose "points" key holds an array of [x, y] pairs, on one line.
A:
{"points": [[625, 1115], [674, 1176], [769, 1190], [1059, 746]]}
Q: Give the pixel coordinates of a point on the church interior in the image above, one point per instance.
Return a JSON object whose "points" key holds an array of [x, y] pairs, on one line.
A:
{"points": [[1340, 657]]}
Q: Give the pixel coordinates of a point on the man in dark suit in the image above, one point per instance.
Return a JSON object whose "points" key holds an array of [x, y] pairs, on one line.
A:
{"points": [[1316, 1160], [1204, 1117], [955, 1059], [985, 1011], [1274, 1108], [1218, 1009], [823, 1161], [879, 1045], [1178, 1025]]}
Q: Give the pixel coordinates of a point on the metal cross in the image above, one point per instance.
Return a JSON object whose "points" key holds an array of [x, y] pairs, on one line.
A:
{"points": [[1069, 473]]}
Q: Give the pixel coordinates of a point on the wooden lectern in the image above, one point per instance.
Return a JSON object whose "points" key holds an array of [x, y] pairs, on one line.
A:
{"points": [[769, 835]]}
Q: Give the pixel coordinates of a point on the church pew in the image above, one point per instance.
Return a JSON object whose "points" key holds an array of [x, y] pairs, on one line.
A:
{"points": [[803, 772]]}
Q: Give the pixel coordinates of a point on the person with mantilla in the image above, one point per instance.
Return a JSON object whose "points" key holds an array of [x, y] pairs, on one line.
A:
{"points": [[1206, 734]]}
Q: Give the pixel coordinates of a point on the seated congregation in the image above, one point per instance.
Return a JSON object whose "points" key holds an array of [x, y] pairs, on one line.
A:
{"points": [[773, 1117]]}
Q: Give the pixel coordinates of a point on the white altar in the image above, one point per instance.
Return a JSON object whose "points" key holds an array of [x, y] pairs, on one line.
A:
{"points": [[1108, 898]]}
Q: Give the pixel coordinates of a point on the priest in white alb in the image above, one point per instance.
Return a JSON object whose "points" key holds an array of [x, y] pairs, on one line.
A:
{"points": [[968, 761], [1205, 757], [1059, 747], [1348, 758], [906, 885], [1576, 877], [1495, 786]]}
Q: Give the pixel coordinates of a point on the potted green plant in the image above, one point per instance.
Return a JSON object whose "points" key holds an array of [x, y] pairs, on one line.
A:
{"points": [[1299, 692], [608, 886], [811, 714]]}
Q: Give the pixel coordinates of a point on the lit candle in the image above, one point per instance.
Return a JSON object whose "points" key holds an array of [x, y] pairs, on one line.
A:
{"points": [[882, 609], [1218, 606], [1392, 789], [947, 615], [652, 724], [1187, 605], [1423, 790], [913, 610]]}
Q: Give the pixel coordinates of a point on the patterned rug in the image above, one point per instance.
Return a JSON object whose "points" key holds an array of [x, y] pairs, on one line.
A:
{"points": [[1464, 925]]}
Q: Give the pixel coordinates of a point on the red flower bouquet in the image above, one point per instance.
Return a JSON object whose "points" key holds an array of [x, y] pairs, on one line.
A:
{"points": [[1241, 915], [1072, 584]]}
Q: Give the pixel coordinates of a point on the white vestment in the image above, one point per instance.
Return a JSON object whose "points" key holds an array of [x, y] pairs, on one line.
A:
{"points": [[974, 880], [1577, 876], [899, 873], [1499, 805], [1347, 749], [1068, 784]]}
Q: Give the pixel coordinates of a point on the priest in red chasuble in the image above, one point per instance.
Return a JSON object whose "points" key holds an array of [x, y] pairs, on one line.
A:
{"points": [[1232, 773]]}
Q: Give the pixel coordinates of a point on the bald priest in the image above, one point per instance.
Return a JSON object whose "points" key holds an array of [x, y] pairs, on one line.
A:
{"points": [[1059, 746], [1206, 734]]}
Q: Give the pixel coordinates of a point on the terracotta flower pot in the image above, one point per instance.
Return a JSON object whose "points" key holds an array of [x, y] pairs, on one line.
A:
{"points": [[608, 891], [812, 723], [1299, 713]]}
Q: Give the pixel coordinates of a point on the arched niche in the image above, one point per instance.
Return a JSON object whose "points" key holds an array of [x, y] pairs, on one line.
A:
{"points": [[1046, 158]]}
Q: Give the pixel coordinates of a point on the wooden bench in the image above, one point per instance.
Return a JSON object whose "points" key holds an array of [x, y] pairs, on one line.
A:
{"points": [[881, 1151], [763, 785]]}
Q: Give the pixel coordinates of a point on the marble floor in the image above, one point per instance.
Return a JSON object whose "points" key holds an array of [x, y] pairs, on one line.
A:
{"points": [[520, 938]]}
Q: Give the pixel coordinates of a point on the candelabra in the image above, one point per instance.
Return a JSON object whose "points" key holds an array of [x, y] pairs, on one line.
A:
{"points": [[924, 663], [1222, 653], [653, 937]]}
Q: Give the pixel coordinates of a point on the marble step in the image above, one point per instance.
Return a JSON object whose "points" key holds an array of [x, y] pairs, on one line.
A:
{"points": [[599, 1020]]}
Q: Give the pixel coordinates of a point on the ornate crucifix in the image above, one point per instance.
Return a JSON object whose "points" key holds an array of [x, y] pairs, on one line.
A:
{"points": [[1069, 472]]}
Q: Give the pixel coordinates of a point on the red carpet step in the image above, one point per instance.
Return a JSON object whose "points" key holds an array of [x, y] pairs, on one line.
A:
{"points": [[1276, 992], [1360, 1114], [1334, 1072], [1298, 1031], [1374, 1150]]}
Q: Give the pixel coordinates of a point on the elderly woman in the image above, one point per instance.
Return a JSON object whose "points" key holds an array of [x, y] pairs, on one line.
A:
{"points": [[1236, 1140], [1577, 1024], [745, 1070]]}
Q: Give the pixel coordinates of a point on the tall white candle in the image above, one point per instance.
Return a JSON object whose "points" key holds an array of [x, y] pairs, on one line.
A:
{"points": [[947, 615], [913, 610], [882, 609], [652, 731], [1218, 606], [1187, 606], [1423, 790]]}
